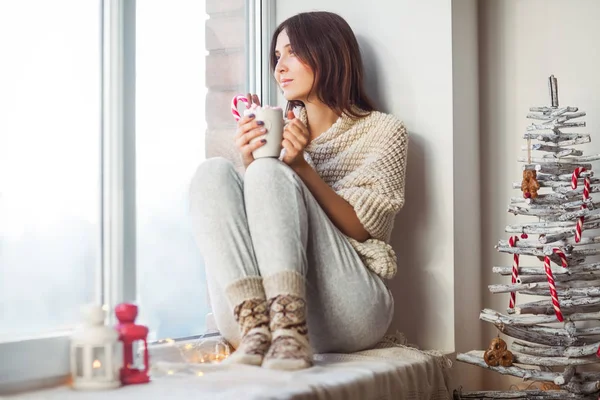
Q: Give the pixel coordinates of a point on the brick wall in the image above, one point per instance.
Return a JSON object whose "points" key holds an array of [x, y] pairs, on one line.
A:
{"points": [[225, 73]]}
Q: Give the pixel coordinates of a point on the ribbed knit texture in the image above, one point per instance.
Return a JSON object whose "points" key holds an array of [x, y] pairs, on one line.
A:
{"points": [[250, 287], [285, 282], [364, 161]]}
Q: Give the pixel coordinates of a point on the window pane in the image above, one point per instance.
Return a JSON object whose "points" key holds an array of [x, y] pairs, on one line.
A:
{"points": [[49, 163], [187, 68]]}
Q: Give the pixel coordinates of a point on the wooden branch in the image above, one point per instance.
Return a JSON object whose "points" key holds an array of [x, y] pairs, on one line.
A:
{"points": [[522, 394], [542, 117], [571, 270], [548, 331], [550, 118], [558, 206], [563, 161], [565, 153], [589, 203], [536, 212], [567, 306], [574, 386], [547, 251], [544, 198], [553, 361], [551, 149], [550, 135], [562, 241], [555, 351], [553, 86], [566, 376], [573, 215], [558, 168], [552, 110], [558, 118], [586, 376], [527, 243], [567, 293], [542, 289], [568, 177], [556, 126], [551, 239], [475, 357], [497, 318], [537, 335], [583, 388], [569, 228], [573, 142], [588, 276], [563, 189], [567, 117]]}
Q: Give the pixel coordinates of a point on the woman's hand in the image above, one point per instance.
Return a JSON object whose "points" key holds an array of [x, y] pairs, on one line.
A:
{"points": [[248, 129], [295, 139]]}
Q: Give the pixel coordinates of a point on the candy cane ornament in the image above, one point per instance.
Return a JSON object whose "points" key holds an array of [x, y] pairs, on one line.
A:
{"points": [[586, 196], [512, 242], [551, 283], [234, 105]]}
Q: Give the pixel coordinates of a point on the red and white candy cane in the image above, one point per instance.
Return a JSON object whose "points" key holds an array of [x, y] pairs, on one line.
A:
{"points": [[234, 105], [512, 242], [586, 196], [550, 277]]}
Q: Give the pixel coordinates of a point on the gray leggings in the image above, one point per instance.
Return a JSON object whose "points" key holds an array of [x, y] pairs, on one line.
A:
{"points": [[270, 222]]}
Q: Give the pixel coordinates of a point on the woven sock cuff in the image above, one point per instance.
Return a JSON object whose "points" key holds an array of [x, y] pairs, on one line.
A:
{"points": [[244, 289], [286, 282]]}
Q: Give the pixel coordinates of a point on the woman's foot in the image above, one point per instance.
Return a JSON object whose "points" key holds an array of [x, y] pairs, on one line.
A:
{"points": [[252, 315], [290, 349], [253, 319]]}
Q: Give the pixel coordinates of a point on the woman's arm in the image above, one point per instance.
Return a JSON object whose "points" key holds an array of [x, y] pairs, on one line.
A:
{"points": [[339, 211]]}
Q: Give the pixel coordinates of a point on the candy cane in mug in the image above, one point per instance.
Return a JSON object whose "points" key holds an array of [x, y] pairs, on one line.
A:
{"points": [[234, 105]]}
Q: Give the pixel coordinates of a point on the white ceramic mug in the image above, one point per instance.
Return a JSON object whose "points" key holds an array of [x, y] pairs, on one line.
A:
{"points": [[273, 119]]}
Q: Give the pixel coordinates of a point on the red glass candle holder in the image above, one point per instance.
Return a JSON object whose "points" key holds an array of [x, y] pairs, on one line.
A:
{"points": [[129, 333]]}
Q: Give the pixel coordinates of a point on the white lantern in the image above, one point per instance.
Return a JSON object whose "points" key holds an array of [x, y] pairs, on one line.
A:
{"points": [[95, 353]]}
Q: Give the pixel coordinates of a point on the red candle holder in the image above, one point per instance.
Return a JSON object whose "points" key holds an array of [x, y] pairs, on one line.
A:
{"points": [[129, 333]]}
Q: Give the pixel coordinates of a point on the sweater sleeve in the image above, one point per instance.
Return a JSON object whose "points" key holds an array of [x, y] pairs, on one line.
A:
{"points": [[376, 188]]}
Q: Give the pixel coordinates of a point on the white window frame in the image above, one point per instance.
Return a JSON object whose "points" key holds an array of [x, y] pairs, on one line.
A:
{"points": [[43, 361]]}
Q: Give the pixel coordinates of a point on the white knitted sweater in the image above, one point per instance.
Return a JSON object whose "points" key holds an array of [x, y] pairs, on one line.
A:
{"points": [[364, 161]]}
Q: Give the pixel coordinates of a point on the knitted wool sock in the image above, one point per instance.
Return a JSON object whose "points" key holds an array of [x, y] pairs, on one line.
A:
{"points": [[290, 349], [251, 314]]}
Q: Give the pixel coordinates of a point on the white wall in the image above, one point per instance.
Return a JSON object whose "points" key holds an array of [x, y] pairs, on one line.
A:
{"points": [[467, 227], [408, 51], [521, 44]]}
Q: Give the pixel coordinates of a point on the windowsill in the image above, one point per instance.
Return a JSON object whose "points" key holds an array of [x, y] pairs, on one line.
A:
{"points": [[381, 373]]}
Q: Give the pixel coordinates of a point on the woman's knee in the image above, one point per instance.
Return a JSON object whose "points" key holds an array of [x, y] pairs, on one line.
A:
{"points": [[212, 174], [265, 173]]}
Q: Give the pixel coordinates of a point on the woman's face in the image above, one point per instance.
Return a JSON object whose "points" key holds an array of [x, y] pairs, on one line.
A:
{"points": [[293, 77]]}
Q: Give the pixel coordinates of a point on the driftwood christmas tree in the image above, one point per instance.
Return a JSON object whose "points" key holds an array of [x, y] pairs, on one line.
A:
{"points": [[556, 338]]}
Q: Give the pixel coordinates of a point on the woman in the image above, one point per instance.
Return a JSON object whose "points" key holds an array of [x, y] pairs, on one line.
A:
{"points": [[296, 250]]}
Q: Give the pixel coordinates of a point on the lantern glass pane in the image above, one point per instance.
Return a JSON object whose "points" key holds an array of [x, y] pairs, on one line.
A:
{"points": [[79, 361], [98, 362]]}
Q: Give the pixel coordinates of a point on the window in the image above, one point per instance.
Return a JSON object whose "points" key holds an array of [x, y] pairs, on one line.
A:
{"points": [[107, 108], [50, 225], [49, 164], [171, 91]]}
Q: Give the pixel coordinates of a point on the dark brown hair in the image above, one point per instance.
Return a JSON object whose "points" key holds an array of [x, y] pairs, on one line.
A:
{"points": [[325, 42]]}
